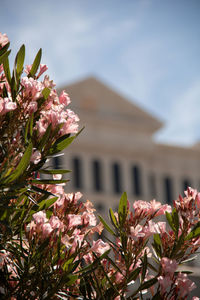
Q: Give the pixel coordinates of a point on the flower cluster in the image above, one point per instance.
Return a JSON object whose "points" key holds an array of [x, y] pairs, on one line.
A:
{"points": [[50, 245]]}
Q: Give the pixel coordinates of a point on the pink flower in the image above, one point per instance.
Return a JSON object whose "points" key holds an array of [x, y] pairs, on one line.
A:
{"points": [[169, 265], [184, 284], [55, 223], [160, 227], [137, 232], [89, 218], [40, 217], [3, 39], [141, 206], [6, 105], [163, 209], [165, 283], [46, 229], [32, 107], [43, 69], [99, 247], [74, 220], [36, 157], [64, 98], [89, 206], [27, 69], [78, 239], [32, 88]]}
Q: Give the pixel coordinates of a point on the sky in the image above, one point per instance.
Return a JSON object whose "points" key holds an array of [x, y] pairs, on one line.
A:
{"points": [[148, 50]]}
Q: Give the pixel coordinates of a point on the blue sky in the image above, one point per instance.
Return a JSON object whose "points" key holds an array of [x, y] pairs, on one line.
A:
{"points": [[148, 50]]}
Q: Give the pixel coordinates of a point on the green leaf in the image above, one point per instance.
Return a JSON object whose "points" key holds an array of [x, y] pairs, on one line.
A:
{"points": [[193, 234], [45, 92], [45, 204], [19, 63], [144, 267], [113, 218], [4, 56], [54, 171], [35, 64], [157, 244], [148, 284], [133, 276], [21, 167], [4, 49], [170, 220], [41, 191], [175, 220], [62, 143], [106, 225], [48, 181], [31, 125], [122, 210], [7, 69]]}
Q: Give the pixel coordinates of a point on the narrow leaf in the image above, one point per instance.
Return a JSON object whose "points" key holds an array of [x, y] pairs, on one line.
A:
{"points": [[35, 64], [113, 218], [106, 225], [54, 171], [48, 181], [122, 210], [21, 167], [45, 92], [19, 61]]}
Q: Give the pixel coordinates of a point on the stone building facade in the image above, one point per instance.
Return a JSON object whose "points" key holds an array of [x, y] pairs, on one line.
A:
{"points": [[116, 151]]}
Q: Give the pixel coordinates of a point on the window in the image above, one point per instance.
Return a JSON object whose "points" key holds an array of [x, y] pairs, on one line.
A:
{"points": [[185, 184], [57, 162], [100, 207], [77, 176], [116, 175], [97, 175], [152, 185], [168, 190], [136, 181]]}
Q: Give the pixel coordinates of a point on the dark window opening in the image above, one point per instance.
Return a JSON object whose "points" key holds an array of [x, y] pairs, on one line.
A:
{"points": [[136, 180], [152, 185], [77, 176], [117, 180], [168, 188], [97, 175], [186, 183], [57, 162], [100, 207]]}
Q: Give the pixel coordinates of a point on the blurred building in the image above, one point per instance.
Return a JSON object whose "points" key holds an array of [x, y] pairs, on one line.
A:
{"points": [[116, 152]]}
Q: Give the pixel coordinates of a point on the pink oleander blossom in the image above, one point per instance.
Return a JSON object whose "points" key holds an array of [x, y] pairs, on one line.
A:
{"points": [[6, 105], [40, 217], [55, 223], [89, 218], [74, 220], [64, 98], [99, 247], [43, 68], [137, 232], [46, 229], [3, 40], [184, 284], [165, 283], [31, 88], [169, 266]]}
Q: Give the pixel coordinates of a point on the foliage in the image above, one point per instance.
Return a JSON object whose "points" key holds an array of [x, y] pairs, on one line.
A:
{"points": [[47, 237]]}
